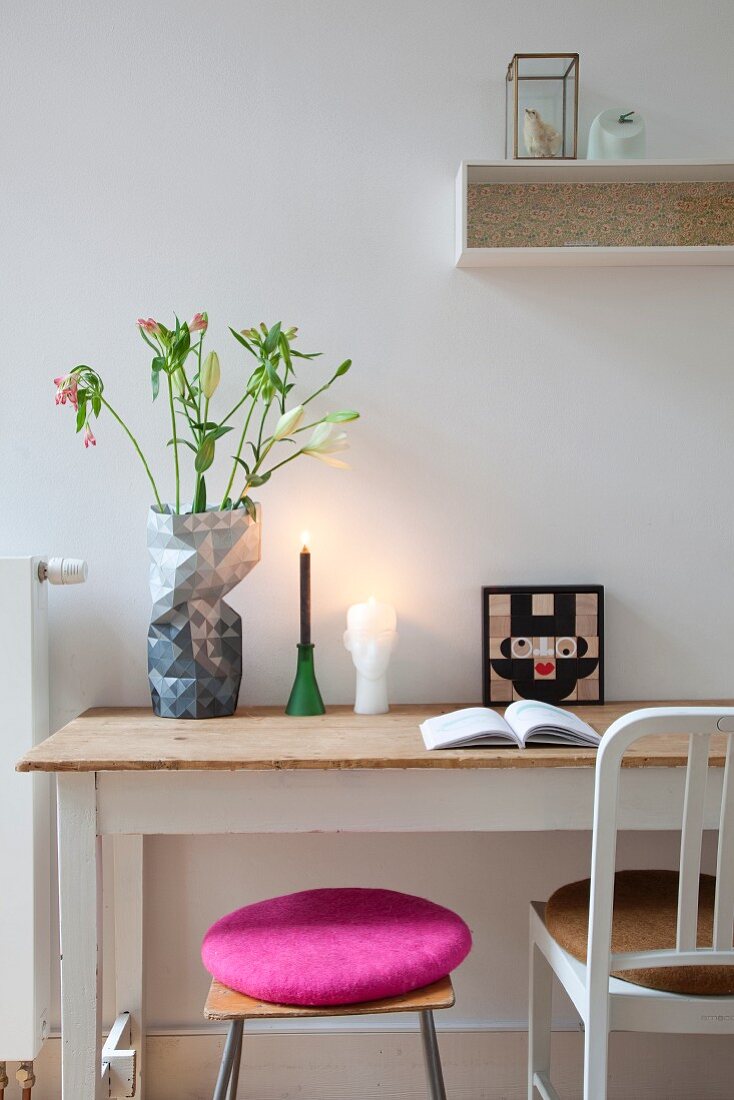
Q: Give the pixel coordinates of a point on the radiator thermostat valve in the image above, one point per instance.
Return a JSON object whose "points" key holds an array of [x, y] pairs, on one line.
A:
{"points": [[63, 571]]}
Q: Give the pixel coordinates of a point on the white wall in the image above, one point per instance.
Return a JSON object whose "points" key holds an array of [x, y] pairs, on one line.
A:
{"points": [[296, 161]]}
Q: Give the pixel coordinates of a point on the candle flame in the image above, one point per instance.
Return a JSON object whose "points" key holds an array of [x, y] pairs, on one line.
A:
{"points": [[305, 539]]}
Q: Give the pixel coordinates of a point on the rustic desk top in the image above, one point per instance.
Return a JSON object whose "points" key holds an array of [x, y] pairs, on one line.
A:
{"points": [[262, 738]]}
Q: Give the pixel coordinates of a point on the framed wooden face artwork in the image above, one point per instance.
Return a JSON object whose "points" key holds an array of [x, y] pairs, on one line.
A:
{"points": [[543, 642]]}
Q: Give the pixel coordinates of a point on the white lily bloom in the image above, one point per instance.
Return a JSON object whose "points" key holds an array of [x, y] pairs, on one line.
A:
{"points": [[288, 422], [328, 459], [326, 442]]}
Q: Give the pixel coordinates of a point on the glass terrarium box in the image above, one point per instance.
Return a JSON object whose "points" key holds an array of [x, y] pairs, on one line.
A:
{"points": [[542, 106]]}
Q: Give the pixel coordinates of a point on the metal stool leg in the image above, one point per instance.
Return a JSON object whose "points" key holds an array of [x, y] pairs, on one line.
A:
{"points": [[233, 1036], [432, 1056], [236, 1060]]}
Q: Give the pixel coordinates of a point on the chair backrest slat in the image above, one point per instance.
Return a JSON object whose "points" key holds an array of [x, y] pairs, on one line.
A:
{"points": [[698, 724], [724, 904], [690, 841]]}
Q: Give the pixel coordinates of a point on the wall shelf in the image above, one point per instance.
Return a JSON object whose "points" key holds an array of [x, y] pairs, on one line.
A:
{"points": [[619, 213]]}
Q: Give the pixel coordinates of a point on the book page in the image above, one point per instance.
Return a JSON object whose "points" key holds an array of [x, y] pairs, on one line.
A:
{"points": [[527, 716], [468, 726]]}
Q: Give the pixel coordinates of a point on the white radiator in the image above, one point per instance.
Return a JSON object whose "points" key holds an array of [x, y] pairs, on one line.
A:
{"points": [[25, 887]]}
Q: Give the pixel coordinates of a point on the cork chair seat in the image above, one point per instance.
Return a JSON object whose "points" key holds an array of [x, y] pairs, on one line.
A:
{"points": [[644, 919], [642, 951]]}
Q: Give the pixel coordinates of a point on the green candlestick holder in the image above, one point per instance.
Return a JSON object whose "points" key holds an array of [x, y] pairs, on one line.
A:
{"points": [[305, 697]]}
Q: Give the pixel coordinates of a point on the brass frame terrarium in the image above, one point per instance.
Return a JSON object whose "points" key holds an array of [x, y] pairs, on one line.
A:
{"points": [[560, 68]]}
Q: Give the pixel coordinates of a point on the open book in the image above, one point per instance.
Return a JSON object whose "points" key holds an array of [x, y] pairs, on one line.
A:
{"points": [[526, 722]]}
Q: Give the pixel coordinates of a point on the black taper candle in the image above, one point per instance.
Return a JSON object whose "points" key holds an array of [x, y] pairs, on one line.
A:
{"points": [[305, 596]]}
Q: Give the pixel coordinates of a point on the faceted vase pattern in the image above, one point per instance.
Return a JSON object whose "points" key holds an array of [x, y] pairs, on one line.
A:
{"points": [[195, 638]]}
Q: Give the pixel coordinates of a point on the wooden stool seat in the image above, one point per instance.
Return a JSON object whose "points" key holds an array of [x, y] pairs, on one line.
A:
{"points": [[223, 1003], [226, 1004]]}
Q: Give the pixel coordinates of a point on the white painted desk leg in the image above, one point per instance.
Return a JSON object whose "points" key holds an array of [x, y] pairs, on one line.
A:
{"points": [[80, 906], [128, 854]]}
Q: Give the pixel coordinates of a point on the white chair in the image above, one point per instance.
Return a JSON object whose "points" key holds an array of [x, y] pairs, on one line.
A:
{"points": [[584, 912]]}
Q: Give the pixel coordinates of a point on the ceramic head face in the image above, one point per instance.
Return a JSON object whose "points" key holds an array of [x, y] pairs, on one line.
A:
{"points": [[371, 653]]}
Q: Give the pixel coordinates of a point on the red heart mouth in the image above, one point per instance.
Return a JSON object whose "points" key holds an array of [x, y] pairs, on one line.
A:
{"points": [[544, 669]]}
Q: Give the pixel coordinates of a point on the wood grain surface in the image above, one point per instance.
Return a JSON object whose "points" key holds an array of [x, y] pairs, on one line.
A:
{"points": [[126, 739], [226, 1004]]}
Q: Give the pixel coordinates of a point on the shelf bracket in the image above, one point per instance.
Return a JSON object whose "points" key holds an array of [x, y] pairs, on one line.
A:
{"points": [[118, 1060]]}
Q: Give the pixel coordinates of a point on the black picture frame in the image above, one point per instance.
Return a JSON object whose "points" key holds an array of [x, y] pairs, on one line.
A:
{"points": [[526, 620]]}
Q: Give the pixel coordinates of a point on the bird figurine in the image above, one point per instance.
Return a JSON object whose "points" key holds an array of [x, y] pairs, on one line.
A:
{"points": [[541, 139]]}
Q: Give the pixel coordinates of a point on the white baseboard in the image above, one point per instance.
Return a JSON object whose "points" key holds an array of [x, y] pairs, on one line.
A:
{"points": [[373, 1065]]}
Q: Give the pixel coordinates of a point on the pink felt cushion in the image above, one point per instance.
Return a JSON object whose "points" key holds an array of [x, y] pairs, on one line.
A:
{"points": [[332, 947]]}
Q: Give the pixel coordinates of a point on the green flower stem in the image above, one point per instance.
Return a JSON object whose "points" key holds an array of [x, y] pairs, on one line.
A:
{"points": [[136, 445], [308, 427], [198, 380], [263, 418], [232, 476], [175, 443], [206, 418], [239, 405], [261, 454], [277, 466], [284, 462], [319, 392]]}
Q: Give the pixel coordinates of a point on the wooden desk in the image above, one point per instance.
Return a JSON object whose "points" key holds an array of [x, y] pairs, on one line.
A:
{"points": [[128, 774]]}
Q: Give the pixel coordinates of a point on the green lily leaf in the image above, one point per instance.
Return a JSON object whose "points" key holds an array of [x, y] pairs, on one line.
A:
{"points": [[181, 347], [343, 368], [199, 504], [259, 479], [205, 455], [271, 340], [273, 376], [221, 430], [148, 341], [285, 350], [245, 343]]}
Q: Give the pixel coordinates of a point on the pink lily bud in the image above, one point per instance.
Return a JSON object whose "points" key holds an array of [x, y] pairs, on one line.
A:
{"points": [[150, 326], [66, 387], [199, 322], [89, 440]]}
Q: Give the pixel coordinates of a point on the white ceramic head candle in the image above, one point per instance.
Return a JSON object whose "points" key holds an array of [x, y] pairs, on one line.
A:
{"points": [[370, 637]]}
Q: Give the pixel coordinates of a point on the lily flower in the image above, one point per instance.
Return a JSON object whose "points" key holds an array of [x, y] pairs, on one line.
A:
{"points": [[178, 381], [288, 422], [324, 443], [66, 387], [149, 325], [199, 322], [89, 440], [210, 375]]}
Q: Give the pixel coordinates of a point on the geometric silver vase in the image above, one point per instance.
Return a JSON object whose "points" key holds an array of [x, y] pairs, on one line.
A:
{"points": [[195, 638]]}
